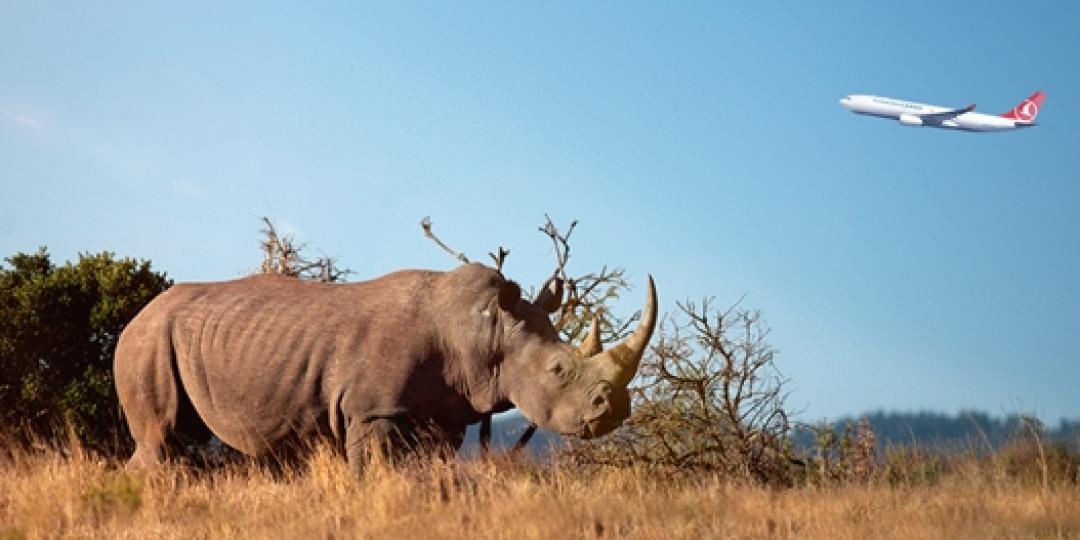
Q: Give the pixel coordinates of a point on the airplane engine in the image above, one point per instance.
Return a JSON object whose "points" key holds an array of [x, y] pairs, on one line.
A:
{"points": [[910, 120]]}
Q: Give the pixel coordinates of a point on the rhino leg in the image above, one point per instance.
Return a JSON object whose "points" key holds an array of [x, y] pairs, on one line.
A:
{"points": [[173, 430], [397, 439], [159, 413], [386, 437]]}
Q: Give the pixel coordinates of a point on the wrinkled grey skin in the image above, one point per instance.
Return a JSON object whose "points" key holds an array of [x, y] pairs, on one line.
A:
{"points": [[267, 362]]}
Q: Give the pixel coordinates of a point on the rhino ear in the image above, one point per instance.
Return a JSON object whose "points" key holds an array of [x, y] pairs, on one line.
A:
{"points": [[509, 295], [551, 295]]}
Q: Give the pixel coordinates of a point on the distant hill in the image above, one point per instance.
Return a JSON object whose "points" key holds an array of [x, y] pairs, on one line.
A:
{"points": [[967, 430], [505, 431]]}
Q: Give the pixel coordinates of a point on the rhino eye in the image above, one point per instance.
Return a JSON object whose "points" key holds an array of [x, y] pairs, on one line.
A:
{"points": [[558, 368]]}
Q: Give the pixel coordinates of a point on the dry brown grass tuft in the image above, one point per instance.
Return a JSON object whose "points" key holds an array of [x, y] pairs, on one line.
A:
{"points": [[46, 495]]}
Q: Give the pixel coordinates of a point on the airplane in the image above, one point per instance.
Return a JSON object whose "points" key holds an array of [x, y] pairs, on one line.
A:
{"points": [[920, 114]]}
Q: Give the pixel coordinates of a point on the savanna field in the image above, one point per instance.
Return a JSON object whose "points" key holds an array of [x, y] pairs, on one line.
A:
{"points": [[708, 453], [45, 494]]}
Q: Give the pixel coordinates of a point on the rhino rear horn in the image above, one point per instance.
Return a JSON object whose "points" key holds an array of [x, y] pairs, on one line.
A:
{"points": [[591, 344], [619, 363]]}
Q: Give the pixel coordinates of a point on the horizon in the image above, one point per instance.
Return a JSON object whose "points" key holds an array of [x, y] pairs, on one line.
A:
{"points": [[899, 267]]}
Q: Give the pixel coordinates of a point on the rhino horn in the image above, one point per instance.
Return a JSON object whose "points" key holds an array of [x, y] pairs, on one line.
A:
{"points": [[591, 344], [619, 364]]}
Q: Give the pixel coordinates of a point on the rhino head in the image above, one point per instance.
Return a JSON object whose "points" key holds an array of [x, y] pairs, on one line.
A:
{"points": [[580, 391]]}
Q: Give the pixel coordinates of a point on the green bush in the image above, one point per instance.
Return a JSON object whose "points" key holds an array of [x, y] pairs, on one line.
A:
{"points": [[58, 330]]}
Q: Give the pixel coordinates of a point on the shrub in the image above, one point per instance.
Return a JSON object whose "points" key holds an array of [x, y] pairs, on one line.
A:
{"points": [[58, 330]]}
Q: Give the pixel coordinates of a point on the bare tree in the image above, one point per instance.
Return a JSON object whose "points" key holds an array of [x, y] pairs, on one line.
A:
{"points": [[587, 295], [709, 398], [282, 255]]}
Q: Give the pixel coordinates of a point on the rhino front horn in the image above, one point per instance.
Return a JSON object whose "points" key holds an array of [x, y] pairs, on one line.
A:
{"points": [[619, 363]]}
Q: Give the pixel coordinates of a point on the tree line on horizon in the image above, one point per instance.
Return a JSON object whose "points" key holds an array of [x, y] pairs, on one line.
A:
{"points": [[933, 430], [967, 430]]}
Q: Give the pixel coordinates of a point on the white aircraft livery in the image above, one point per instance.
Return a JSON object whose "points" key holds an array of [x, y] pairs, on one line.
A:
{"points": [[920, 114]]}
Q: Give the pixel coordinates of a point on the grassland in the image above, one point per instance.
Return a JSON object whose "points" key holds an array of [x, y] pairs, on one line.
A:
{"points": [[44, 494]]}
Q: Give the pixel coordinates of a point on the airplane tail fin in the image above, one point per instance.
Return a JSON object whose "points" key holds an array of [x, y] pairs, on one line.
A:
{"points": [[1028, 109]]}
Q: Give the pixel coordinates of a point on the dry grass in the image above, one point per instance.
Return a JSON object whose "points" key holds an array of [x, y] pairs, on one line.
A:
{"points": [[44, 495]]}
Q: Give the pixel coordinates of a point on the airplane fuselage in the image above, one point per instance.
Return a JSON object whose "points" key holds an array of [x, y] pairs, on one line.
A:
{"points": [[911, 113]]}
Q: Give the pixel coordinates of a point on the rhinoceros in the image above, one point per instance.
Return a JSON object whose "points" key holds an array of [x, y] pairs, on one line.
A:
{"points": [[267, 361]]}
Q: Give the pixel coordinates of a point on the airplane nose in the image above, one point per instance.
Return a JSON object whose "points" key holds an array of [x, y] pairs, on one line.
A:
{"points": [[845, 102]]}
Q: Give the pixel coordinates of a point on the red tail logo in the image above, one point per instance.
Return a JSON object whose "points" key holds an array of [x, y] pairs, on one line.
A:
{"points": [[1028, 109]]}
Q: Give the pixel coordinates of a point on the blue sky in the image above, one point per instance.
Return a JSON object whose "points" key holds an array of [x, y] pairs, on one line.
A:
{"points": [[900, 268]]}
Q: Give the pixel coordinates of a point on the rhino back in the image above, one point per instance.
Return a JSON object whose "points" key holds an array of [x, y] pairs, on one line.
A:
{"points": [[265, 358]]}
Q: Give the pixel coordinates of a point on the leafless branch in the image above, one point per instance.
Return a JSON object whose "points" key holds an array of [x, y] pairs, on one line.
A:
{"points": [[281, 255], [560, 242], [707, 397], [426, 225], [499, 257]]}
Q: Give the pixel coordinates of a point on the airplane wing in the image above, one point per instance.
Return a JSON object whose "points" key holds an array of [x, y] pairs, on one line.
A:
{"points": [[938, 118]]}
